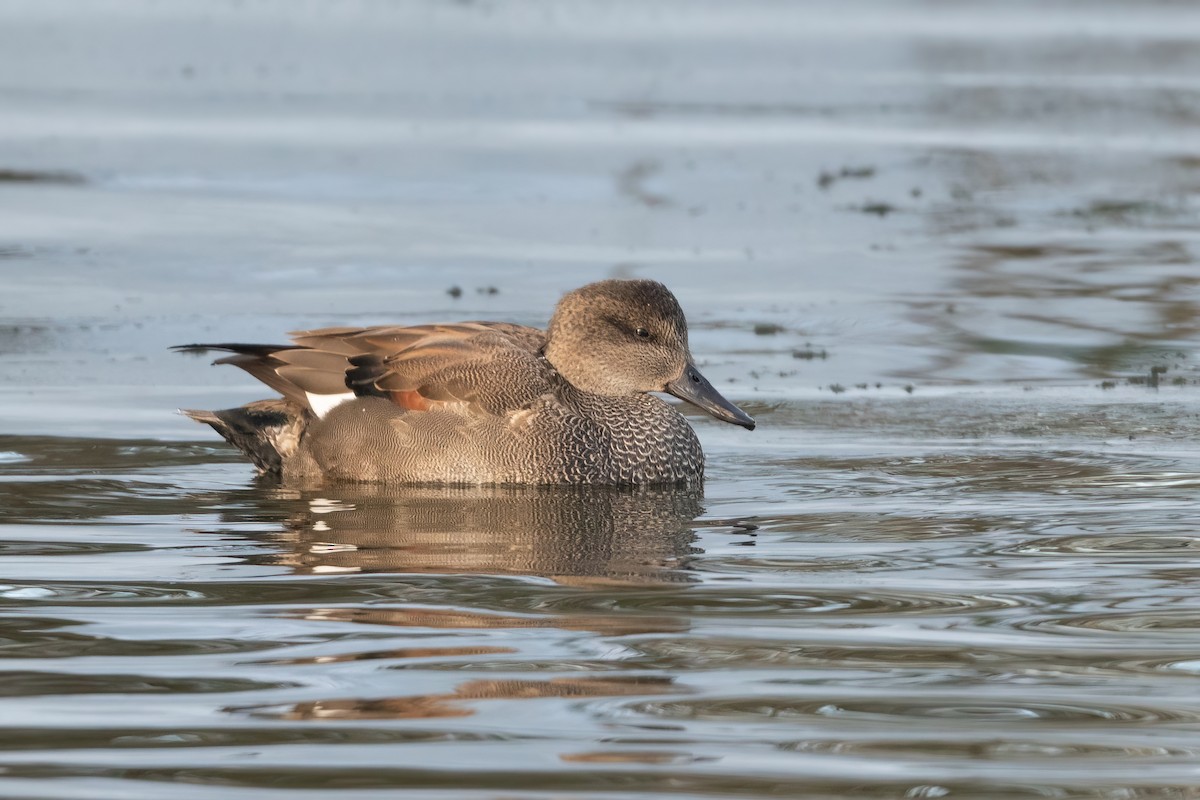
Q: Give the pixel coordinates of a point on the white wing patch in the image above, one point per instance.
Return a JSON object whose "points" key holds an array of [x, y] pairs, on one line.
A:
{"points": [[322, 404]]}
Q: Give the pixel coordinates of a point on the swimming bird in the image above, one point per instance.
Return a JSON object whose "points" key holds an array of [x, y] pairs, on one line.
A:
{"points": [[483, 402]]}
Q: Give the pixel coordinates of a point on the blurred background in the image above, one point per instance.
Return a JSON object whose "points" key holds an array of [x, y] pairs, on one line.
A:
{"points": [[926, 192]]}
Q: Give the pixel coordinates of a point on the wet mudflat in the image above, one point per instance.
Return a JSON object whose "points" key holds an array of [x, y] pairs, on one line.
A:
{"points": [[946, 255]]}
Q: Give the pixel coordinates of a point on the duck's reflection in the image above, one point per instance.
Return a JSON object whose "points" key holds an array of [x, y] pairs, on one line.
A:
{"points": [[459, 702], [571, 535], [574, 536]]}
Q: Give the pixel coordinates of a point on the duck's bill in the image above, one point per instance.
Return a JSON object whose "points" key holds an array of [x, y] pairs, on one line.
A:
{"points": [[695, 389]]}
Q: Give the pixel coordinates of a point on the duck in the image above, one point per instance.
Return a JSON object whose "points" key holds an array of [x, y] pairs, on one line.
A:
{"points": [[483, 403]]}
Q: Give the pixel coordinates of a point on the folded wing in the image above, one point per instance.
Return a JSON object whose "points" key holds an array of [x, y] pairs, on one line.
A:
{"points": [[493, 368]]}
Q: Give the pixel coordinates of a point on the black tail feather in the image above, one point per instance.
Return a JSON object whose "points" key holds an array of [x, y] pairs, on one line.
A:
{"points": [[257, 359], [364, 372], [259, 350]]}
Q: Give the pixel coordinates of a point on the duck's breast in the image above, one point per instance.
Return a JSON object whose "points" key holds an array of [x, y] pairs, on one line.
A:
{"points": [[597, 441]]}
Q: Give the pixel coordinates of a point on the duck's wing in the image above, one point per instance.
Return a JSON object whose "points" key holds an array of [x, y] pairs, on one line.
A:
{"points": [[485, 367]]}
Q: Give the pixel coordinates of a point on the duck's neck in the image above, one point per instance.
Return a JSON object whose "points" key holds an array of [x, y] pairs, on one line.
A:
{"points": [[589, 381]]}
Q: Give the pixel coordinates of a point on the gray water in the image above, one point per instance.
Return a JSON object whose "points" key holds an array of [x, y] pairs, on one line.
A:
{"points": [[946, 253]]}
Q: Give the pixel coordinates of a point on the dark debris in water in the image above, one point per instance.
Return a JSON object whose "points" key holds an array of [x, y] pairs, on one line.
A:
{"points": [[457, 291], [1126, 211], [50, 176], [1153, 378], [827, 178], [879, 209], [864, 386], [1034, 251], [768, 329], [14, 251], [27, 337]]}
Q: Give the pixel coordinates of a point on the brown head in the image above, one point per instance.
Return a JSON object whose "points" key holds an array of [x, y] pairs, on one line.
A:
{"points": [[623, 337]]}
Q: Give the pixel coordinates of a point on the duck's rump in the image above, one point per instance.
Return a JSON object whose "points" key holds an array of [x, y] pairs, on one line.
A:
{"points": [[269, 432]]}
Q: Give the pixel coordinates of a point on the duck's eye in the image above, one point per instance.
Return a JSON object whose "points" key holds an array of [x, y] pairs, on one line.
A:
{"points": [[642, 333]]}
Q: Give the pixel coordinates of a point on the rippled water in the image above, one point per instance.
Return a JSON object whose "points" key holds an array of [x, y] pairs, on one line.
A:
{"points": [[990, 618], [954, 616], [945, 253]]}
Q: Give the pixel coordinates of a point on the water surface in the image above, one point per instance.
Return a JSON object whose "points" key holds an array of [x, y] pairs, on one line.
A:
{"points": [[945, 254]]}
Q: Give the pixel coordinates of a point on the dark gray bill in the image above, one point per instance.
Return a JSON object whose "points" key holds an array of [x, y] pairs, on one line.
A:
{"points": [[695, 388]]}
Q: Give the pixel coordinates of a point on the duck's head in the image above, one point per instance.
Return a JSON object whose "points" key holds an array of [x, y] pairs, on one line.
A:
{"points": [[622, 337]]}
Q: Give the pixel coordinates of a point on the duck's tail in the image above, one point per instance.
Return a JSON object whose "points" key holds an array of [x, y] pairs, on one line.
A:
{"points": [[269, 432]]}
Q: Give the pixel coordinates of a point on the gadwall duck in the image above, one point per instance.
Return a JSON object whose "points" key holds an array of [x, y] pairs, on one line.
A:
{"points": [[483, 402]]}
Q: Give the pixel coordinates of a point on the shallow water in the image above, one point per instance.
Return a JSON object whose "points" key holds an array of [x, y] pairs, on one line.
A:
{"points": [[945, 253]]}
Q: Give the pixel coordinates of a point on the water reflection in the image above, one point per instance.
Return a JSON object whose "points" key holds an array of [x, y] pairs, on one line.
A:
{"points": [[1072, 233], [576, 535], [444, 619], [458, 702], [1067, 310]]}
